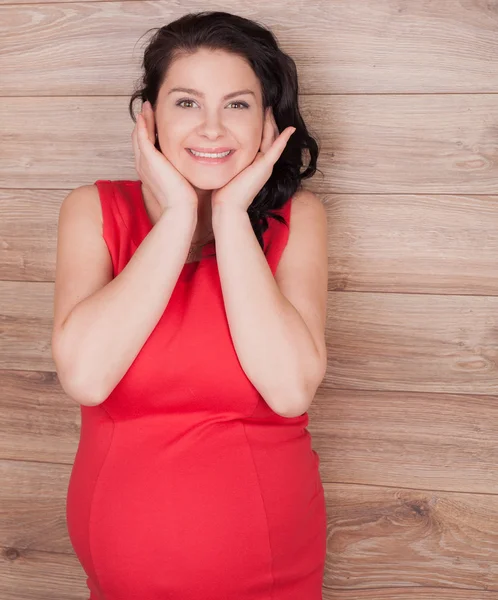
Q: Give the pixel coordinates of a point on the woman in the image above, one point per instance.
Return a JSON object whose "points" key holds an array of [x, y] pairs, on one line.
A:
{"points": [[195, 359]]}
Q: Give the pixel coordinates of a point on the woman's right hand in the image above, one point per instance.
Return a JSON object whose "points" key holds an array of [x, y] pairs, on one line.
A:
{"points": [[157, 174]]}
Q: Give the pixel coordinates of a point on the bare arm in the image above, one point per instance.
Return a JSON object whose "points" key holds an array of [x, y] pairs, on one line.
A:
{"points": [[277, 323], [101, 337]]}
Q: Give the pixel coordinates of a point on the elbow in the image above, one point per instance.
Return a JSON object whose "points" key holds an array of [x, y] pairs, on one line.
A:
{"points": [[74, 385], [79, 390], [291, 405], [83, 393], [291, 412], [296, 404]]}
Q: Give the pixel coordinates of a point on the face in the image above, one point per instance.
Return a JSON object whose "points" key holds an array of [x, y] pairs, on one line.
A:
{"points": [[187, 120]]}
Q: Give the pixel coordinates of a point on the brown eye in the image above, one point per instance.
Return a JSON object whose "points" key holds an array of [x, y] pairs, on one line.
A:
{"points": [[243, 104], [180, 102]]}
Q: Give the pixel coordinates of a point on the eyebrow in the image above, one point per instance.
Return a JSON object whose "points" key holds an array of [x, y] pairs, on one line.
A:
{"points": [[201, 95]]}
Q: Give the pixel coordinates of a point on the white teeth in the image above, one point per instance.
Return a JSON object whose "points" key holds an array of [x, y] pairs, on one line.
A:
{"points": [[220, 155]]}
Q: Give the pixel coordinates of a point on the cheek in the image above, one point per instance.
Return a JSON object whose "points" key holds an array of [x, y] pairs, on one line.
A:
{"points": [[172, 149], [172, 146], [249, 146], [254, 146], [252, 139]]}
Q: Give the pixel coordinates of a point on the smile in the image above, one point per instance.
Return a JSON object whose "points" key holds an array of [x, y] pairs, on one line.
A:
{"points": [[210, 158]]}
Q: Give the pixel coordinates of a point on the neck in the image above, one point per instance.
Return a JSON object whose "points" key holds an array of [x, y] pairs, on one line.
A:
{"points": [[204, 212], [204, 215]]}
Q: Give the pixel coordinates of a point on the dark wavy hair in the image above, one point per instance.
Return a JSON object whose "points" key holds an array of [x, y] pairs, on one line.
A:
{"points": [[277, 73]]}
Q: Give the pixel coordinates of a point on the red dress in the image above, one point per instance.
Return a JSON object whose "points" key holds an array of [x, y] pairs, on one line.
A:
{"points": [[185, 484]]}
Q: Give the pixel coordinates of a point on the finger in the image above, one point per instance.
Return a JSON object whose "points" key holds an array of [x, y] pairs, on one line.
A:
{"points": [[274, 127], [279, 145], [267, 138], [142, 135], [148, 114], [136, 148], [144, 144], [276, 132]]}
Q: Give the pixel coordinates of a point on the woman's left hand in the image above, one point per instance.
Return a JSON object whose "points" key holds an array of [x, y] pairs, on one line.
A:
{"points": [[243, 188]]}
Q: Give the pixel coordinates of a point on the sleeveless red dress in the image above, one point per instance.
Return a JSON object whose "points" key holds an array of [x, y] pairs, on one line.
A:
{"points": [[185, 484]]}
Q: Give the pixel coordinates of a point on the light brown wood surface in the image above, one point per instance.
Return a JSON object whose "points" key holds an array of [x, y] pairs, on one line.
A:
{"points": [[403, 98]]}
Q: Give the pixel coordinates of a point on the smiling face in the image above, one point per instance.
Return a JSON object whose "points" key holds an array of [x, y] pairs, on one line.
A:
{"points": [[207, 119]]}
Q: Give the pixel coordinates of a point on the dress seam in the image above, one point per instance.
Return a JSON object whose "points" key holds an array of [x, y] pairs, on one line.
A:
{"points": [[92, 502], [265, 511]]}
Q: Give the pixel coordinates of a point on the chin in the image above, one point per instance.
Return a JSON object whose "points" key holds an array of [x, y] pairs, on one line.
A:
{"points": [[209, 181]]}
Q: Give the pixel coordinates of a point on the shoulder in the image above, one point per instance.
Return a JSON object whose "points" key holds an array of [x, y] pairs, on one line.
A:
{"points": [[305, 202], [86, 196], [307, 215], [85, 201], [307, 242]]}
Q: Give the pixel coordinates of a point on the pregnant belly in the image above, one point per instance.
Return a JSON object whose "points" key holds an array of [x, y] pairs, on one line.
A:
{"points": [[181, 521]]}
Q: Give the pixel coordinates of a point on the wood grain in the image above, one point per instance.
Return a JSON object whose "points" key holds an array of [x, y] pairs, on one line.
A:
{"points": [[74, 48], [396, 144], [401, 97]]}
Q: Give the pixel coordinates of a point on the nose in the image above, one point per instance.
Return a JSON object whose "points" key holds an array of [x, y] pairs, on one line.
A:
{"points": [[212, 127]]}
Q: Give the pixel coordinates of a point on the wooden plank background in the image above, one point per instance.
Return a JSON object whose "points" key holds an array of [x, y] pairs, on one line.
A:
{"points": [[402, 96]]}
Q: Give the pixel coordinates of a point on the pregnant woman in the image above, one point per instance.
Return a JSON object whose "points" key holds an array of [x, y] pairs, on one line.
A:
{"points": [[189, 321]]}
